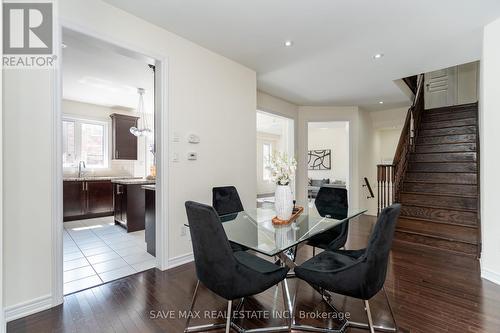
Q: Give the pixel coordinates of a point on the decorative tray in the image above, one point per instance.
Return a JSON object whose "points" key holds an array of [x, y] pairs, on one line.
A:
{"points": [[297, 210]]}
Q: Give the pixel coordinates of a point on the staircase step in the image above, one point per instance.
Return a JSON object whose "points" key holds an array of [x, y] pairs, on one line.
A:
{"points": [[448, 123], [429, 117], [448, 131], [422, 187], [439, 201], [436, 243], [468, 167], [466, 234], [444, 178], [444, 157], [439, 214], [445, 148], [446, 139], [451, 109]]}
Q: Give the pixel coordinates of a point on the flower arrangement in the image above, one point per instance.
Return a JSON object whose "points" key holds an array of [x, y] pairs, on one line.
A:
{"points": [[282, 168]]}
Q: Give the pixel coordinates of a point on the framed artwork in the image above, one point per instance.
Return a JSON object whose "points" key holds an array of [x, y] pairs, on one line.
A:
{"points": [[319, 159]]}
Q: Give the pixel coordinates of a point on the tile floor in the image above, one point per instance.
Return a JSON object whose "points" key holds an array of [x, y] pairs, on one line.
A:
{"points": [[98, 251]]}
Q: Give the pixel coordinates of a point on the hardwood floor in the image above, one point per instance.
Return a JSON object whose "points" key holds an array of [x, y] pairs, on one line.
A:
{"points": [[430, 292]]}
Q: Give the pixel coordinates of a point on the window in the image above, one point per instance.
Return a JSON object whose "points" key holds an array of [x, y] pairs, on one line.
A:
{"points": [[85, 140], [266, 161]]}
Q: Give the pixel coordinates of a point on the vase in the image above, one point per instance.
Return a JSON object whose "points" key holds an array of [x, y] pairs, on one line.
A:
{"points": [[283, 202]]}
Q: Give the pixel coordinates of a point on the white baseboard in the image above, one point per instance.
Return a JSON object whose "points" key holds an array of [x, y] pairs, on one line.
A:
{"points": [[490, 275], [180, 260], [27, 308]]}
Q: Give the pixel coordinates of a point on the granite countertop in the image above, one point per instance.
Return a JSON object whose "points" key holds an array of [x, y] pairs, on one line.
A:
{"points": [[90, 178], [134, 181], [151, 187]]}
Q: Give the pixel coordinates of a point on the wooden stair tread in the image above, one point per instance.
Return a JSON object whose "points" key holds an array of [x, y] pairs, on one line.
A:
{"points": [[446, 215], [435, 236], [452, 108], [442, 207], [471, 226], [439, 194]]}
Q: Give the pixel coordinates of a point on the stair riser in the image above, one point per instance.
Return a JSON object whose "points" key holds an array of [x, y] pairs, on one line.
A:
{"points": [[443, 167], [448, 139], [459, 147], [467, 190], [459, 247], [449, 116], [441, 215], [448, 131], [444, 157], [452, 109], [445, 178], [448, 231], [427, 200], [448, 123]]}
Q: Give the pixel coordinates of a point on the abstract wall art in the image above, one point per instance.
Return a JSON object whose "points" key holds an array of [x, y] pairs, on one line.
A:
{"points": [[319, 159]]}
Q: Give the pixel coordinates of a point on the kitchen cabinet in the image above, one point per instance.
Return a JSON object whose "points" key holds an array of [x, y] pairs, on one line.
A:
{"points": [[124, 143], [150, 218], [87, 199], [129, 206]]}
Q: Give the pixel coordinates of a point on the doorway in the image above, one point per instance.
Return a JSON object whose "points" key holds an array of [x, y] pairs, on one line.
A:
{"points": [[110, 162], [275, 134], [328, 157]]}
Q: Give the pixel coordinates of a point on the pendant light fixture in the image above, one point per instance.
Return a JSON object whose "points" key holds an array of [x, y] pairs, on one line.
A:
{"points": [[145, 131]]}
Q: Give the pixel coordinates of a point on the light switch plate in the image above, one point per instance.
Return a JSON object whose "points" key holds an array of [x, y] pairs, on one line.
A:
{"points": [[192, 156]]}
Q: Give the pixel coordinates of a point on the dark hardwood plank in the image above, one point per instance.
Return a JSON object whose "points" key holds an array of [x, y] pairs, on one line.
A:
{"points": [[430, 291], [440, 215]]}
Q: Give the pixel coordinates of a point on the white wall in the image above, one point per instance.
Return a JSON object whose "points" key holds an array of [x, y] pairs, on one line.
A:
{"points": [[489, 118], [207, 94], [337, 140]]}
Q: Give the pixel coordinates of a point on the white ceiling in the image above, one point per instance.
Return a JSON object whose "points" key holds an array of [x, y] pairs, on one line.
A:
{"points": [[94, 72], [331, 60]]}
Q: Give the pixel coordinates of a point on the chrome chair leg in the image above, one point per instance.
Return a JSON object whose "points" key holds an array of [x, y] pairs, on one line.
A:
{"points": [[192, 305], [390, 308], [314, 251], [369, 315], [228, 320]]}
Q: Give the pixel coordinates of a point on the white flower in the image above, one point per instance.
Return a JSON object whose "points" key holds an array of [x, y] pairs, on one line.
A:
{"points": [[282, 168]]}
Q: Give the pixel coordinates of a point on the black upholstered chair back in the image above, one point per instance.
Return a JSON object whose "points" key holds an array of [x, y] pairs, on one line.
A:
{"points": [[333, 202], [378, 250], [213, 255], [226, 200]]}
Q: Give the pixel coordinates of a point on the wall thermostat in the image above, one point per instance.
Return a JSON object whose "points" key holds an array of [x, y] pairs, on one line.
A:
{"points": [[192, 156], [193, 138]]}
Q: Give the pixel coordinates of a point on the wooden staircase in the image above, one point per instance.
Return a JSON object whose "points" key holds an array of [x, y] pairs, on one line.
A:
{"points": [[435, 177], [439, 191]]}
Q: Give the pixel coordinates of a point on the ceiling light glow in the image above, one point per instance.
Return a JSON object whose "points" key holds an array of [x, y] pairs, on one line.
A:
{"points": [[288, 43], [381, 102], [378, 56]]}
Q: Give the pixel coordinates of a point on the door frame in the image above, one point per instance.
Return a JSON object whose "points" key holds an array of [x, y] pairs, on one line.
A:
{"points": [[162, 119]]}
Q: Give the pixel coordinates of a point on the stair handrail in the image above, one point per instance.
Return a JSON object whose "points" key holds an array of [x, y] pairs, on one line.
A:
{"points": [[407, 140]]}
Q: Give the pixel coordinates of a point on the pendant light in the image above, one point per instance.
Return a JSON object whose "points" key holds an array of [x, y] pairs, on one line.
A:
{"points": [[145, 131]]}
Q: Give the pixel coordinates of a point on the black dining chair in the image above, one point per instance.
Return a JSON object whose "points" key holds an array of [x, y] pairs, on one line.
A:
{"points": [[227, 203], [231, 275], [226, 200], [355, 273], [331, 202]]}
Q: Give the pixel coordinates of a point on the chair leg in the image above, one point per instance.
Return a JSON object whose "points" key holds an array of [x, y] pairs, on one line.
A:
{"points": [[369, 315], [314, 251], [390, 308], [193, 301], [228, 320]]}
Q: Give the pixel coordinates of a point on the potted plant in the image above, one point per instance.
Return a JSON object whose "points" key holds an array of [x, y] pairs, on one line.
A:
{"points": [[282, 173]]}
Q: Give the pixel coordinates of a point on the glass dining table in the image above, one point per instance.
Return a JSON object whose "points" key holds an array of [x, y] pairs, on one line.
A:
{"points": [[254, 230]]}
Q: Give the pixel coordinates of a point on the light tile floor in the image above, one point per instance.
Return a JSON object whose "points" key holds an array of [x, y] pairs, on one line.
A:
{"points": [[98, 251]]}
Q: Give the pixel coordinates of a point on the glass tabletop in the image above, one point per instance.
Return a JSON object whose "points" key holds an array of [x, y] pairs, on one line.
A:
{"points": [[254, 228]]}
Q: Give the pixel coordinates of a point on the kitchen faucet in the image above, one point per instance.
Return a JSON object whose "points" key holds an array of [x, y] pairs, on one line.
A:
{"points": [[81, 166]]}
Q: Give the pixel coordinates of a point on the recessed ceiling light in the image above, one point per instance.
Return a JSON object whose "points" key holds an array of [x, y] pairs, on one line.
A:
{"points": [[378, 56], [288, 43], [381, 102]]}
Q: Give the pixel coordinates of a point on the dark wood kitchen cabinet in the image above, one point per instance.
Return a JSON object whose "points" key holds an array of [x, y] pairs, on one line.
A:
{"points": [[124, 143], [129, 206], [87, 199]]}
